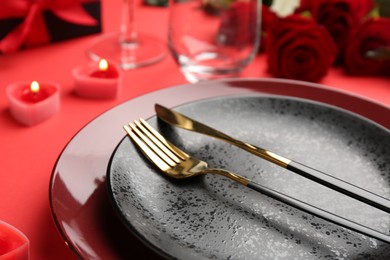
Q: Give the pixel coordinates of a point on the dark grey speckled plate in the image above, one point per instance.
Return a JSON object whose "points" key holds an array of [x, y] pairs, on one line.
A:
{"points": [[211, 217]]}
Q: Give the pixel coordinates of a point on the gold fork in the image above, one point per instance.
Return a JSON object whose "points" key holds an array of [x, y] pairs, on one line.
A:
{"points": [[175, 163]]}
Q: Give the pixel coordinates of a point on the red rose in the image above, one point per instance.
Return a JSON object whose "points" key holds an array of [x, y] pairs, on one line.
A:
{"points": [[340, 17], [373, 35], [299, 48]]}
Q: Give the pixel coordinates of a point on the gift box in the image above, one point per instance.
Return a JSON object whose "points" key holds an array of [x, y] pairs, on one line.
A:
{"points": [[27, 23]]}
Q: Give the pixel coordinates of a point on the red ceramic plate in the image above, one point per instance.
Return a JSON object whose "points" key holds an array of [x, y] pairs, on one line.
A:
{"points": [[78, 196]]}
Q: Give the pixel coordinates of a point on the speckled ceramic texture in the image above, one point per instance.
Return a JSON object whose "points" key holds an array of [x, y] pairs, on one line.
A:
{"points": [[212, 217]]}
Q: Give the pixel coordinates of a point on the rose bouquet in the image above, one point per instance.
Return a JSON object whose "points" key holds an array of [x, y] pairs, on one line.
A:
{"points": [[355, 38], [319, 34], [324, 33]]}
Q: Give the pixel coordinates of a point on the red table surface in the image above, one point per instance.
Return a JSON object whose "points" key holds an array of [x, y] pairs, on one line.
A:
{"points": [[28, 154]]}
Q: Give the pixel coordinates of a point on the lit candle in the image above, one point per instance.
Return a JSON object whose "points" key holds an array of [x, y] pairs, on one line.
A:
{"points": [[102, 72], [32, 103], [13, 243], [102, 81]]}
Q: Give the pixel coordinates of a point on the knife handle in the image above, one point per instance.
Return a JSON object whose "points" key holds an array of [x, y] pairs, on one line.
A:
{"points": [[319, 212], [327, 180], [311, 173], [340, 186]]}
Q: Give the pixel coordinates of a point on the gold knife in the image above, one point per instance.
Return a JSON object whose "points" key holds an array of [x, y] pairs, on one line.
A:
{"points": [[182, 121]]}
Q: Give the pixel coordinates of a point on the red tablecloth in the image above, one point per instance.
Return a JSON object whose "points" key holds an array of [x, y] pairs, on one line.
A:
{"points": [[28, 154]]}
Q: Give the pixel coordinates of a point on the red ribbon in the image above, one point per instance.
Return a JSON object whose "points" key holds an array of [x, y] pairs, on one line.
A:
{"points": [[32, 31]]}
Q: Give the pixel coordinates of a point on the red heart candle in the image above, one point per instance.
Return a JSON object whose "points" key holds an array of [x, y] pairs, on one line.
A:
{"points": [[32, 103], [14, 245], [100, 81]]}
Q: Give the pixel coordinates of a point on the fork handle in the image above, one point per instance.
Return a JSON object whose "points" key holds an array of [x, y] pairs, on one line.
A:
{"points": [[319, 212]]}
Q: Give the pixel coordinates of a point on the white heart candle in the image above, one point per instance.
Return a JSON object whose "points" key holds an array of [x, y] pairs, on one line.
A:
{"points": [[33, 103], [97, 81]]}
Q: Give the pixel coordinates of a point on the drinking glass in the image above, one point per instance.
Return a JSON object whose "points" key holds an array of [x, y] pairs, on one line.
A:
{"points": [[128, 47], [214, 39]]}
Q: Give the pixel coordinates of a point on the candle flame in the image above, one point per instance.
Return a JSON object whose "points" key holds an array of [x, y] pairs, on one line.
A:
{"points": [[103, 65], [34, 87]]}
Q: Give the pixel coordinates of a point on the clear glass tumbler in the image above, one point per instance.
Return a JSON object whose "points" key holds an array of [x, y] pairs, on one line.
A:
{"points": [[212, 39]]}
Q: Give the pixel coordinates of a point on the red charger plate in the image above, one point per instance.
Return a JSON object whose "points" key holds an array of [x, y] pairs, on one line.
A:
{"points": [[78, 195]]}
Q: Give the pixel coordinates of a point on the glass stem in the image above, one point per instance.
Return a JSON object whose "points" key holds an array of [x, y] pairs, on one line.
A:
{"points": [[128, 34]]}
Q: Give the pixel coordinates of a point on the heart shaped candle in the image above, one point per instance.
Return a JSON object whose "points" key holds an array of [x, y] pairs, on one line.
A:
{"points": [[13, 243], [97, 81], [32, 103]]}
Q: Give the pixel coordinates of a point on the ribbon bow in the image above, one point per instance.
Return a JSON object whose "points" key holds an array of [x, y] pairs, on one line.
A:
{"points": [[33, 31]]}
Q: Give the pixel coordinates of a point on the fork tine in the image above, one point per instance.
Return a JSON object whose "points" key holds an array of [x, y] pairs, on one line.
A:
{"points": [[147, 151], [151, 133], [181, 154], [151, 145]]}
